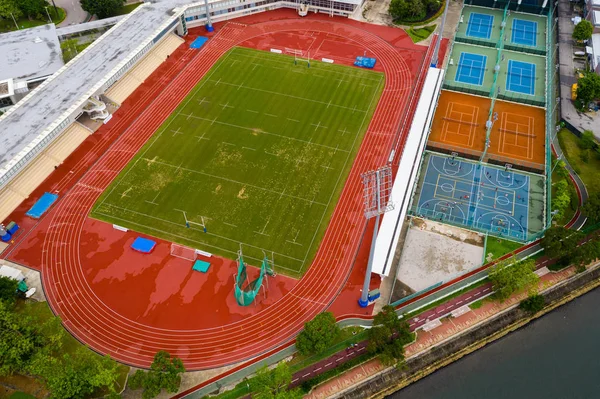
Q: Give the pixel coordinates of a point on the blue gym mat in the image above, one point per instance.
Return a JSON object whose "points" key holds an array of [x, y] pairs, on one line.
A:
{"points": [[365, 62], [201, 266], [42, 205], [143, 245], [199, 42]]}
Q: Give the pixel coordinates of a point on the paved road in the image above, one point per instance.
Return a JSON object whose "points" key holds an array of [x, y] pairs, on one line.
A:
{"points": [[75, 14]]}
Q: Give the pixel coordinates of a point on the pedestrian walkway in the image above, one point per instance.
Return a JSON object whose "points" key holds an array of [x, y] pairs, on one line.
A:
{"points": [[449, 327]]}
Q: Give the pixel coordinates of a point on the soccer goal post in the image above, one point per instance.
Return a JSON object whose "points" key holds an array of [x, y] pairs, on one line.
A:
{"points": [[183, 252]]}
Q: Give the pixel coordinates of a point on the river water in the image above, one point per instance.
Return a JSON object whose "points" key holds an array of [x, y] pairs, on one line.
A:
{"points": [[554, 357]]}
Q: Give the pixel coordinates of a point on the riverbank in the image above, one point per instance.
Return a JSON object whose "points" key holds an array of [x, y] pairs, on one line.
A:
{"points": [[391, 380]]}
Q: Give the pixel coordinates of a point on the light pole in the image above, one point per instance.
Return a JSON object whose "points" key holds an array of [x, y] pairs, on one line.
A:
{"points": [[48, 14], [14, 20], [377, 198], [55, 9]]}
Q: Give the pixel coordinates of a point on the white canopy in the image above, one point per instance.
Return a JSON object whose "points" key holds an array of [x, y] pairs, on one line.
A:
{"points": [[391, 225], [11, 272]]}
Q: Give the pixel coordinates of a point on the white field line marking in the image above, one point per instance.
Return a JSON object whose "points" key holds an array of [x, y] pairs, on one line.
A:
{"points": [[268, 133], [239, 182], [292, 96], [195, 241], [341, 172]]}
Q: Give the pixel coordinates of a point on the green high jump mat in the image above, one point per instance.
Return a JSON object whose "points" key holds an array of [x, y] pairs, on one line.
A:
{"points": [[201, 266]]}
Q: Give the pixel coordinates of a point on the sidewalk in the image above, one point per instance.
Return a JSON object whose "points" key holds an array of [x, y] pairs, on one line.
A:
{"points": [[450, 326]]}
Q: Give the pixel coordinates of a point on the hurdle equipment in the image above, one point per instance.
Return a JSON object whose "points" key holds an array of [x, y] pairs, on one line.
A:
{"points": [[183, 252]]}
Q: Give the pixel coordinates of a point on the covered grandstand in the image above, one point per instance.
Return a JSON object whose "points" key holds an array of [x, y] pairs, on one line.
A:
{"points": [[109, 70]]}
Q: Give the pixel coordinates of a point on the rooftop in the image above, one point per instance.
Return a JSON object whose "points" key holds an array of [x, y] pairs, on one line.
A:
{"points": [[50, 103], [30, 53]]}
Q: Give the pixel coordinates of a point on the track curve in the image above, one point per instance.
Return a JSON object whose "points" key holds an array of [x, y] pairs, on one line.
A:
{"points": [[93, 322]]}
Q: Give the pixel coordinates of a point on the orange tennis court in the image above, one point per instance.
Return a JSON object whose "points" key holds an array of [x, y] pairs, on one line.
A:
{"points": [[518, 133], [459, 123]]}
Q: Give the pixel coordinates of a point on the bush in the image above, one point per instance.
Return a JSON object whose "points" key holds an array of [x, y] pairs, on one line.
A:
{"points": [[413, 10], [533, 303], [583, 30], [587, 140]]}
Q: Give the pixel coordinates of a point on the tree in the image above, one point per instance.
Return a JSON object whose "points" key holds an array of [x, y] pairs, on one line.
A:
{"points": [[164, 374], [508, 277], [583, 30], [407, 10], [587, 140], [33, 8], [76, 375], [558, 241], [584, 254], [8, 289], [388, 336], [588, 88], [318, 334], [561, 199], [591, 208], [10, 9], [102, 8], [273, 384], [533, 303]]}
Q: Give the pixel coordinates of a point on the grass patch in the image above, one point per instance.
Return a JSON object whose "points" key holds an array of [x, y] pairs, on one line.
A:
{"points": [[499, 247], [259, 152], [420, 34], [70, 344], [70, 48], [477, 304], [8, 25], [126, 9], [588, 172]]}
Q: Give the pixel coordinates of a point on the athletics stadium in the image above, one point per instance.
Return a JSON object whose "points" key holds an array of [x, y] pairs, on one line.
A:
{"points": [[219, 202]]}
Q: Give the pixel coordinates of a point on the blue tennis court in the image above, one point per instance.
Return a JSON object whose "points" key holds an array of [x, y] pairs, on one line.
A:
{"points": [[480, 25], [521, 77], [524, 32], [487, 198], [471, 68]]}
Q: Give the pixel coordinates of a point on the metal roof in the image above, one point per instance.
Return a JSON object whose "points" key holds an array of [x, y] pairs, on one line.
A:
{"points": [[30, 53], [35, 116]]}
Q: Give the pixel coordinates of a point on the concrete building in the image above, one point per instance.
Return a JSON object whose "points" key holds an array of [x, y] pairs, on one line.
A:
{"points": [[29, 56], [592, 13]]}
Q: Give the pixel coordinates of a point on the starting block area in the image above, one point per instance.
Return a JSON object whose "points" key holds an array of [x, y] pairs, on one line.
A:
{"points": [[487, 198]]}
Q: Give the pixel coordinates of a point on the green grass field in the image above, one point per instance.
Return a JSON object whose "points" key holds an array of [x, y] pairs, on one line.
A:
{"points": [[260, 149]]}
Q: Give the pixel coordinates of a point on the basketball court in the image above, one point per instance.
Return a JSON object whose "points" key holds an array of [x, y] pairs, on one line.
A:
{"points": [[459, 123], [494, 200]]}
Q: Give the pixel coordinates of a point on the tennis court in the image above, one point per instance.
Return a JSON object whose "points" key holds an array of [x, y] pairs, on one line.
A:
{"points": [[493, 200], [459, 123], [524, 32], [521, 77], [471, 68], [480, 25], [518, 135]]}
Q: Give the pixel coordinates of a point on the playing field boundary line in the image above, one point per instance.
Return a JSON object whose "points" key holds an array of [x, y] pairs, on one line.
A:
{"points": [[265, 132], [286, 95], [185, 237], [324, 69]]}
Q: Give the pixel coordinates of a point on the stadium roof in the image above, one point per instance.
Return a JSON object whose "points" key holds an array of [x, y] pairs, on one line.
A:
{"points": [[30, 53], [44, 107]]}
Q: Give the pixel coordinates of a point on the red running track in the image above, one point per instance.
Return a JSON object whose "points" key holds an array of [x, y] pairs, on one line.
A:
{"points": [[65, 257]]}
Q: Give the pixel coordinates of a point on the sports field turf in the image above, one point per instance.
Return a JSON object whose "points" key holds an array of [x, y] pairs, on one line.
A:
{"points": [[261, 148]]}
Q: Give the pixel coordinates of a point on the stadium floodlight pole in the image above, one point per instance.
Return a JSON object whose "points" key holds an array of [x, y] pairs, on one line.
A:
{"points": [[15, 21], [209, 27], [377, 198], [436, 49], [47, 13]]}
